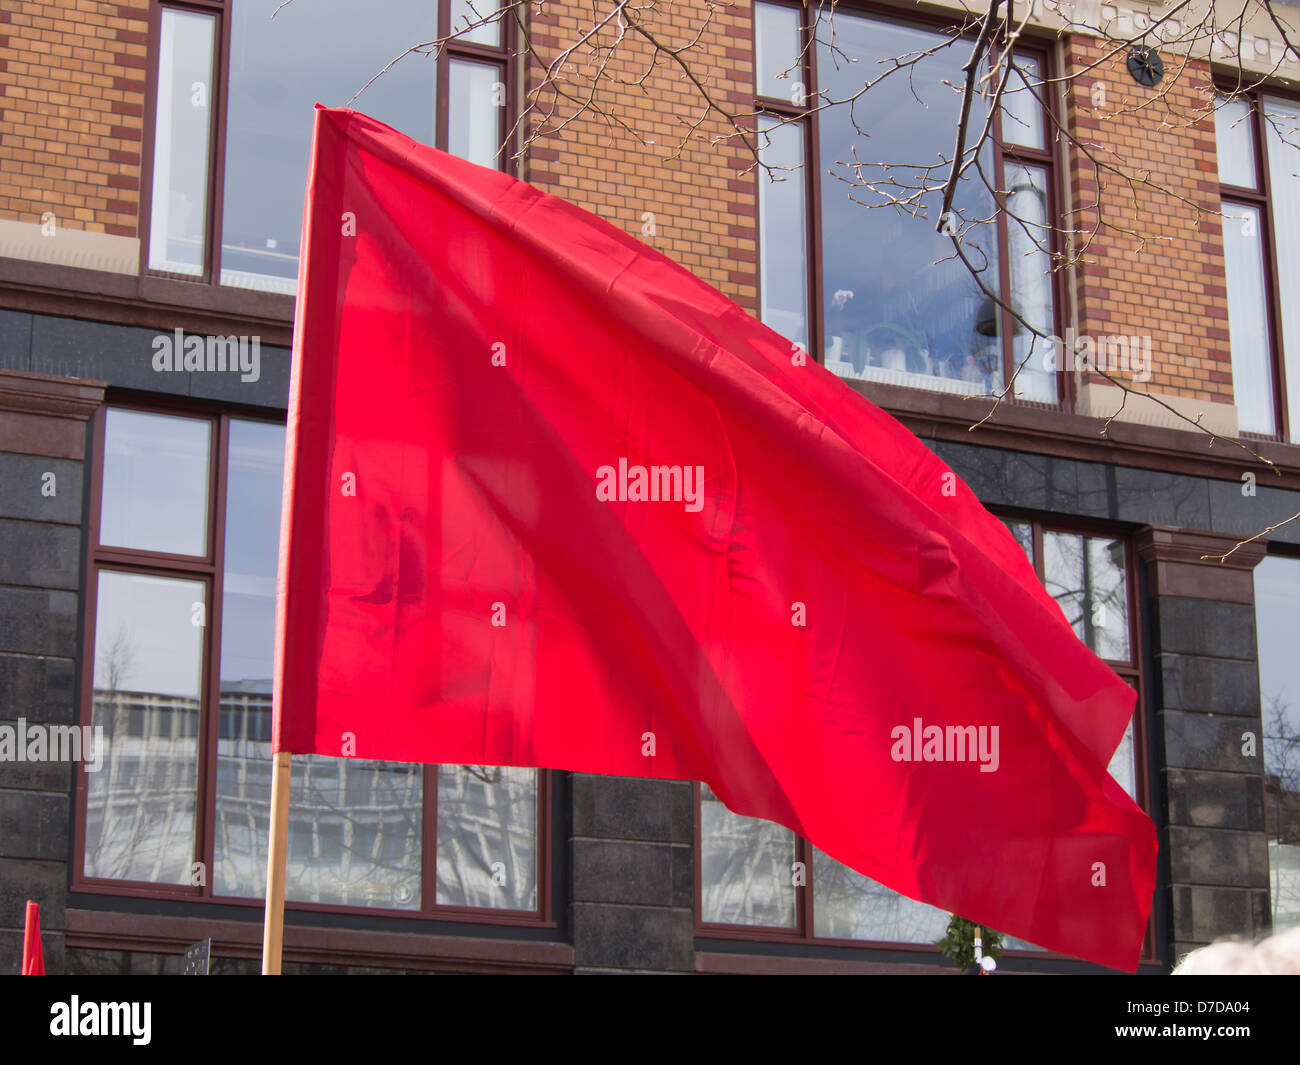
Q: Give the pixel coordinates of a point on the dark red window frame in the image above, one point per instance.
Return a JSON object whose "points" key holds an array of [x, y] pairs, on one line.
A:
{"points": [[209, 569]]}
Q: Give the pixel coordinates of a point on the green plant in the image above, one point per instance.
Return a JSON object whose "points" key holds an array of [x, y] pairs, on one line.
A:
{"points": [[958, 943]]}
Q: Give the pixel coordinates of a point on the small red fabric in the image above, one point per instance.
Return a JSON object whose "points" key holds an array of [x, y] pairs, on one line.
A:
{"points": [[469, 575], [33, 955]]}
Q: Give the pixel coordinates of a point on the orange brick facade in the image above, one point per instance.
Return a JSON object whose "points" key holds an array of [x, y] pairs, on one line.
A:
{"points": [[1152, 248], [704, 204], [72, 94]]}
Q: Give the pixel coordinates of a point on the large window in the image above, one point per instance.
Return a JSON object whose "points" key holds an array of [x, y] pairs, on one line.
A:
{"points": [[759, 880], [234, 85], [182, 615], [1258, 137], [852, 265], [1277, 618]]}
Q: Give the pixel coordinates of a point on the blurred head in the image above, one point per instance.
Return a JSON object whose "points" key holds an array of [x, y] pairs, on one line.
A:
{"points": [[1277, 955]]}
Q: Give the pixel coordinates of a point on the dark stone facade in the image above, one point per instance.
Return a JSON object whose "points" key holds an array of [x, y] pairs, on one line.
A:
{"points": [[42, 508]]}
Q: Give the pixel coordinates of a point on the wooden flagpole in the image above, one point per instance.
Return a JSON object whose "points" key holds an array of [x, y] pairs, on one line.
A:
{"points": [[276, 854]]}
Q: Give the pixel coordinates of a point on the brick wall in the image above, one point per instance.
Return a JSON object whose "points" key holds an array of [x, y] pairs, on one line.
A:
{"points": [[704, 207], [1153, 264], [72, 82]]}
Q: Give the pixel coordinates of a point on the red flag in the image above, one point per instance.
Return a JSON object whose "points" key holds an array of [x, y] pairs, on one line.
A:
{"points": [[553, 501], [33, 956]]}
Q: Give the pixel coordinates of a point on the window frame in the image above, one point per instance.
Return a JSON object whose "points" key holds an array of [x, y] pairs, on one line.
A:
{"points": [[1135, 670], [1048, 158], [209, 279], [208, 569], [1261, 199]]}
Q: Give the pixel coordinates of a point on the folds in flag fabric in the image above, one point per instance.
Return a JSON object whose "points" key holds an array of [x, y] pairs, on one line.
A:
{"points": [[33, 954], [553, 501]]}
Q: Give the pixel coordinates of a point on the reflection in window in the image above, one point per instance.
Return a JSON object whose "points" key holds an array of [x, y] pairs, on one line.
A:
{"points": [[746, 874], [1086, 575], [848, 905], [147, 674], [1277, 618], [279, 68], [893, 311], [487, 837], [783, 281]]}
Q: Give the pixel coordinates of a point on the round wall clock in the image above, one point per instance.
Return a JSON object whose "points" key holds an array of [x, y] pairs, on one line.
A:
{"points": [[1145, 64]]}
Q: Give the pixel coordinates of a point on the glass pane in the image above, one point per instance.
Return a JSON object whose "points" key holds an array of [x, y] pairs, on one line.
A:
{"points": [[1023, 531], [848, 905], [1086, 575], [147, 676], [1029, 245], [1283, 138], [1022, 109], [1234, 134], [782, 221], [898, 307], [178, 218], [354, 826], [466, 13], [779, 71], [255, 478], [279, 68], [747, 871], [155, 495], [1277, 618], [476, 95], [487, 837], [1123, 764], [1248, 329]]}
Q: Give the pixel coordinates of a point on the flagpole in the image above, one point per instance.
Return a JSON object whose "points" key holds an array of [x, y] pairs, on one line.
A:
{"points": [[276, 853]]}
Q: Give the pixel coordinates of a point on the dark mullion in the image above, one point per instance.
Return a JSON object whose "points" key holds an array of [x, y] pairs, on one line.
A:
{"points": [[429, 841], [472, 49], [442, 80], [131, 559], [210, 707], [778, 105], [805, 919], [813, 195]]}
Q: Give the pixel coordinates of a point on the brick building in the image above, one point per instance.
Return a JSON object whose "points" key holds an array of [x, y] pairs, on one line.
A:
{"points": [[152, 157]]}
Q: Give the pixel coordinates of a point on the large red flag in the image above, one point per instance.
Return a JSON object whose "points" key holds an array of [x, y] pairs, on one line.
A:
{"points": [[553, 501], [33, 955]]}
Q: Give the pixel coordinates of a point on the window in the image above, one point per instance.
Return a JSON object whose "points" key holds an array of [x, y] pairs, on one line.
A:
{"points": [[234, 86], [180, 633], [1277, 616], [749, 868], [1258, 138], [860, 193]]}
